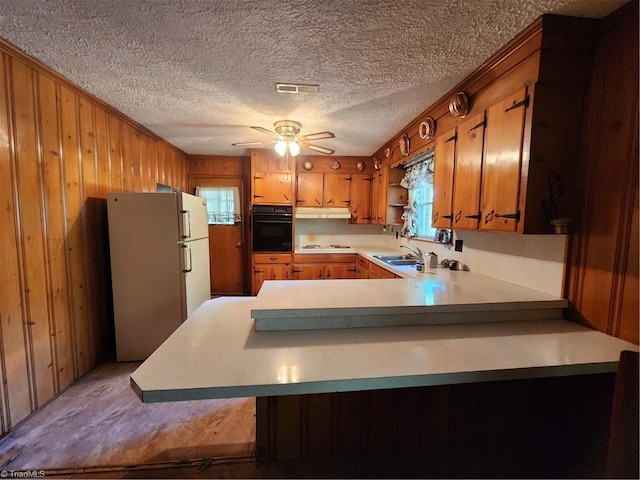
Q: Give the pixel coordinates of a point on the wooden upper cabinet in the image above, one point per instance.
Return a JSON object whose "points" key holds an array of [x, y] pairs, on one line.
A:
{"points": [[383, 180], [272, 187], [310, 189], [502, 163], [337, 189], [375, 197], [443, 169], [360, 195], [271, 178], [323, 190], [468, 173]]}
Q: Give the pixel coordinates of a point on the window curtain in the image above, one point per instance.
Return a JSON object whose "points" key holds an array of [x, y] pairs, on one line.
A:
{"points": [[223, 204], [415, 178]]}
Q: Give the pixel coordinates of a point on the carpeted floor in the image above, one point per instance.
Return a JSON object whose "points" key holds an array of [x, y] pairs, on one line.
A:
{"points": [[99, 421]]}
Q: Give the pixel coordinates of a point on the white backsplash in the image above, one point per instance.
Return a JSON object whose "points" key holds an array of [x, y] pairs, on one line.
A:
{"points": [[532, 261]]}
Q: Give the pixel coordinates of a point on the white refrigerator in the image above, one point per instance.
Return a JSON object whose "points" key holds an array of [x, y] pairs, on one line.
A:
{"points": [[159, 246]]}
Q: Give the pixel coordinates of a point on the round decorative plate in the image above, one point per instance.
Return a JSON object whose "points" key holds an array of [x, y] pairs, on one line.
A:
{"points": [[334, 164], [360, 165], [307, 165], [376, 163], [404, 144], [387, 152], [427, 128], [459, 105]]}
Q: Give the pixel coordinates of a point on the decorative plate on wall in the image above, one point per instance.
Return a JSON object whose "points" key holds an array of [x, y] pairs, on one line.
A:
{"points": [[376, 163], [459, 105], [427, 129], [307, 165], [404, 144], [360, 165], [387, 152], [334, 164]]}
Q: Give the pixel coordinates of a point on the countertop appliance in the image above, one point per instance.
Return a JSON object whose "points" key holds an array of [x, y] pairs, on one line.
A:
{"points": [[159, 244], [272, 227]]}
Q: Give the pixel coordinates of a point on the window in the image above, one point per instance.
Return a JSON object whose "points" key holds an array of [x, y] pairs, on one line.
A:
{"points": [[418, 180], [223, 204]]}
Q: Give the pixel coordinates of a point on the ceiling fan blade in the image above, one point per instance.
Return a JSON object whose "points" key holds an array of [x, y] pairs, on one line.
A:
{"points": [[316, 148], [242, 144], [264, 130], [317, 136]]}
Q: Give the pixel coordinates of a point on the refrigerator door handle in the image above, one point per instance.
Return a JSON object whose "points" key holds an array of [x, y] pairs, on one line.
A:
{"points": [[187, 248], [186, 214]]}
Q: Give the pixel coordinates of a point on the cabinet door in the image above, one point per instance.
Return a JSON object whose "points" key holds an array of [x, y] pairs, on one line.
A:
{"points": [[443, 166], [309, 190], [360, 206], [468, 168], [502, 163], [334, 271], [262, 272], [361, 271], [336, 190], [383, 181], [375, 197], [272, 187], [339, 270], [308, 271]]}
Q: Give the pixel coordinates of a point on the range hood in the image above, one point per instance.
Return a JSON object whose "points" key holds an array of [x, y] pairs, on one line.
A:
{"points": [[315, 212]]}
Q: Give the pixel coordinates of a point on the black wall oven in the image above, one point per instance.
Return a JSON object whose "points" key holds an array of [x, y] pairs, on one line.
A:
{"points": [[272, 227]]}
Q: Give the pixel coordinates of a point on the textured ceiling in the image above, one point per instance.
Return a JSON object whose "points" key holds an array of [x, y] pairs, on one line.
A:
{"points": [[200, 72]]}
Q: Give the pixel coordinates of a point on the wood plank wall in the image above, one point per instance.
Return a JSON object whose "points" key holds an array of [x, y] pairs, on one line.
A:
{"points": [[61, 151], [602, 273], [564, 433]]}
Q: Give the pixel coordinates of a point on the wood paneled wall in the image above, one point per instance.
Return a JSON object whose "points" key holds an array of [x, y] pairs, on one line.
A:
{"points": [[61, 151], [559, 434], [602, 281], [218, 166]]}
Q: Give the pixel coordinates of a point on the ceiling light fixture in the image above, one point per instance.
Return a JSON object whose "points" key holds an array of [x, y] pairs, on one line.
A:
{"points": [[288, 141]]}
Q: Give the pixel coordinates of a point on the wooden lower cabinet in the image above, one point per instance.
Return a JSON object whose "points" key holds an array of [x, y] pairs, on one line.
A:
{"points": [[362, 267], [367, 269], [376, 271], [324, 266], [542, 428], [270, 266]]}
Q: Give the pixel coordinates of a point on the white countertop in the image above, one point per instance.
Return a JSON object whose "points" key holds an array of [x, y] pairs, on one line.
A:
{"points": [[438, 295], [217, 353]]}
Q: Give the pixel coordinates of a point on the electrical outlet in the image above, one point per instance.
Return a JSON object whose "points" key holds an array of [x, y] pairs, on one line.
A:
{"points": [[458, 246]]}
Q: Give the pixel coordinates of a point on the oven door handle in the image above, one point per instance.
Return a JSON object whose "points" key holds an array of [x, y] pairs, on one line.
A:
{"points": [[257, 221]]}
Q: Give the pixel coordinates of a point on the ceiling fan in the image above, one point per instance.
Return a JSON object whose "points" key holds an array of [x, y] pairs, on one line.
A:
{"points": [[287, 139]]}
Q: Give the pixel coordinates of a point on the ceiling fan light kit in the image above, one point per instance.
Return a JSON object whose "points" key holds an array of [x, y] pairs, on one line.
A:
{"points": [[288, 140]]}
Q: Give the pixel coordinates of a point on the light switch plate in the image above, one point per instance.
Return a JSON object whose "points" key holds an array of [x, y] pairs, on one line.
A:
{"points": [[458, 246]]}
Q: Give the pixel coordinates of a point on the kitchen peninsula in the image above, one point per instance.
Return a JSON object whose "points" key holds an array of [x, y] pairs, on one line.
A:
{"points": [[218, 352]]}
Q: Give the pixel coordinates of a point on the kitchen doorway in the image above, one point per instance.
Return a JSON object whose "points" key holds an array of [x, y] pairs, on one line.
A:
{"points": [[227, 222]]}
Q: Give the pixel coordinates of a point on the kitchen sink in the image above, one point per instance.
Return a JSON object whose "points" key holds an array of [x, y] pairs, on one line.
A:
{"points": [[397, 260], [401, 262], [387, 258]]}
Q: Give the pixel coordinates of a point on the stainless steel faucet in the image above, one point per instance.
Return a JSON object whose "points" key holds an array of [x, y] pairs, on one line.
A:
{"points": [[415, 250]]}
